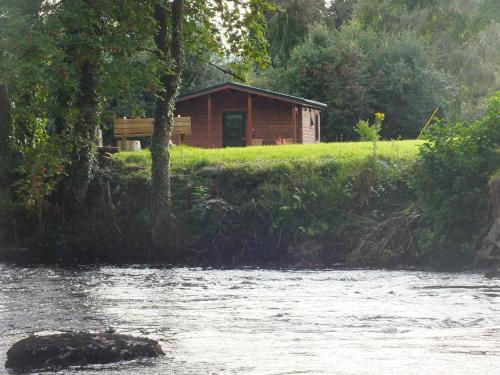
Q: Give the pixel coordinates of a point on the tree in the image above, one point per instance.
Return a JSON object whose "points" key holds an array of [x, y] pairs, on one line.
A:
{"points": [[17, 25], [170, 46], [97, 56], [234, 28], [407, 86], [290, 25], [201, 73], [341, 12], [83, 28], [463, 40], [329, 67]]}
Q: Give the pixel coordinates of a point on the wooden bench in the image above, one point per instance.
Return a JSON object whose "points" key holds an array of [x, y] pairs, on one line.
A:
{"points": [[143, 127]]}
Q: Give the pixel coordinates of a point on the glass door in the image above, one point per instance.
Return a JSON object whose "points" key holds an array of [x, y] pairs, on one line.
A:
{"points": [[233, 129]]}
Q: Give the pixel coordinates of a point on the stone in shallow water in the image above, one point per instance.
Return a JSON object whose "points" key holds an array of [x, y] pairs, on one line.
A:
{"points": [[78, 349]]}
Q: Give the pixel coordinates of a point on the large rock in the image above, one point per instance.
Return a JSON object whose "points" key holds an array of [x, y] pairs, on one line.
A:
{"points": [[78, 349]]}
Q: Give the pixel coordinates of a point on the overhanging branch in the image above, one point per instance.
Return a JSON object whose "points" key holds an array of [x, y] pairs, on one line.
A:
{"points": [[222, 69]]}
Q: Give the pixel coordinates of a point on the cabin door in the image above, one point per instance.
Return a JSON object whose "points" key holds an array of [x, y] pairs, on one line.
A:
{"points": [[233, 129]]}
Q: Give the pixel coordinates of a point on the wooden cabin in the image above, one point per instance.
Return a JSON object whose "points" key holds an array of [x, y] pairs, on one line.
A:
{"points": [[234, 115]]}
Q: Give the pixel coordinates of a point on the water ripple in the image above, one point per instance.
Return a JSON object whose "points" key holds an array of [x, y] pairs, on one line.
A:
{"points": [[254, 321]]}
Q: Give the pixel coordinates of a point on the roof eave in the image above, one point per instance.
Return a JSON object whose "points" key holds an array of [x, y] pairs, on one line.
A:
{"points": [[254, 90]]}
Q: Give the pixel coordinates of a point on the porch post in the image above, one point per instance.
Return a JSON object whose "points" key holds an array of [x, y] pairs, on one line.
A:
{"points": [[319, 126], [249, 128], [209, 115], [294, 123]]}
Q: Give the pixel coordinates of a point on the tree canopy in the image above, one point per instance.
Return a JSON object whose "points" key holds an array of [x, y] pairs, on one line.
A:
{"points": [[401, 57], [69, 67]]}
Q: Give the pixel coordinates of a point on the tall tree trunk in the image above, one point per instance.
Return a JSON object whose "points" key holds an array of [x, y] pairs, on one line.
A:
{"points": [[84, 156], [85, 129], [5, 133], [170, 47]]}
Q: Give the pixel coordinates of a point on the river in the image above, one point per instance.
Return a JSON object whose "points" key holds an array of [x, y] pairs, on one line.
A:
{"points": [[266, 321]]}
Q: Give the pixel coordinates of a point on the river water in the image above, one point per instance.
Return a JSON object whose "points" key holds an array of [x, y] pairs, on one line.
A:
{"points": [[266, 321]]}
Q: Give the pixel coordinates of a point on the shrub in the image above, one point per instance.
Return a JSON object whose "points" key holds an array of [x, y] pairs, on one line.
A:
{"points": [[370, 133], [451, 184], [41, 168]]}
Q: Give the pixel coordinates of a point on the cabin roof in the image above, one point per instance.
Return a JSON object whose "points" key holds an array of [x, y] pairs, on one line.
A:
{"points": [[252, 90]]}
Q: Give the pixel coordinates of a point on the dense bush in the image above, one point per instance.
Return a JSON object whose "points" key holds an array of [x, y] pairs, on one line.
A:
{"points": [[312, 212], [357, 73], [451, 183]]}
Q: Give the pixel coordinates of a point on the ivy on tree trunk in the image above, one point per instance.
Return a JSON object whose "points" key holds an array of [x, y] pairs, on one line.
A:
{"points": [[83, 47], [169, 44], [85, 131]]}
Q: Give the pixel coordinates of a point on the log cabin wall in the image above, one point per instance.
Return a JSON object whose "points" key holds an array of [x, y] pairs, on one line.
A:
{"points": [[197, 109], [271, 118]]}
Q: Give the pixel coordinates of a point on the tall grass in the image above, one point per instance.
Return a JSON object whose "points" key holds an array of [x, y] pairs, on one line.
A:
{"points": [[341, 152]]}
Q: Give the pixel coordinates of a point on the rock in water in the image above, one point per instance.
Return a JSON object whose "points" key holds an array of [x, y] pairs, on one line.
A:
{"points": [[78, 349]]}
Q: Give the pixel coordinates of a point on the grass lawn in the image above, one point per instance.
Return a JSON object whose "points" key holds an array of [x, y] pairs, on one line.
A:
{"points": [[341, 152]]}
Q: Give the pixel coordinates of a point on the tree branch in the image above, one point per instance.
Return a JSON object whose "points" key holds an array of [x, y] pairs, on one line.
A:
{"points": [[222, 69]]}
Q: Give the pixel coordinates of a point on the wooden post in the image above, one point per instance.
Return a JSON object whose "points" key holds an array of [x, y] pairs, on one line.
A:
{"points": [[319, 127], [294, 123], [209, 115], [249, 132]]}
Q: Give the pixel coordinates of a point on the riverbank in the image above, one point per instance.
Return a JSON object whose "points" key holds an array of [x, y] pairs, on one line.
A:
{"points": [[294, 206], [297, 206], [281, 205]]}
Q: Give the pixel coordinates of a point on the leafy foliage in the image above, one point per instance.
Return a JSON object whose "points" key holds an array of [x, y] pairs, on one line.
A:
{"points": [[245, 205], [356, 74], [369, 132], [402, 57], [451, 183], [290, 25]]}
